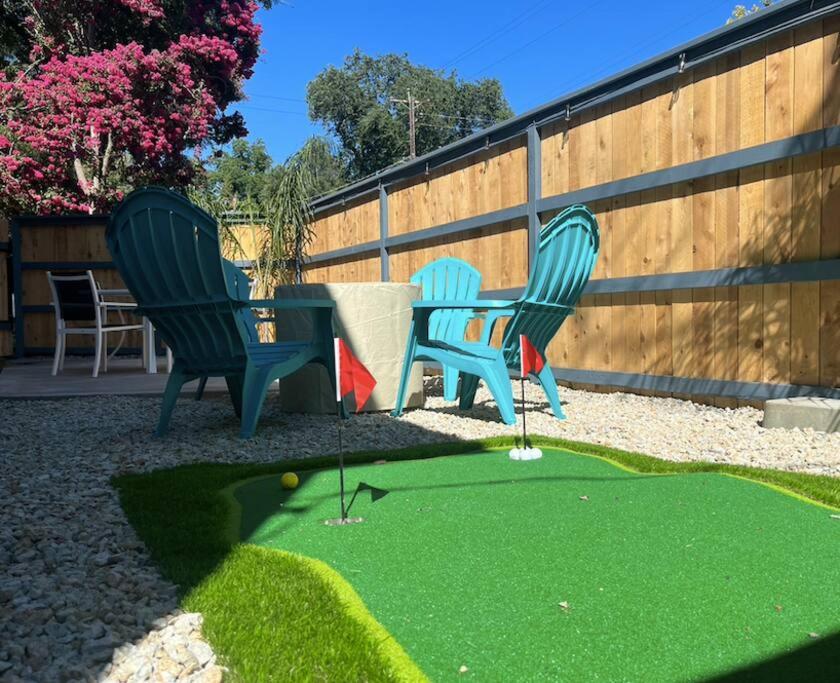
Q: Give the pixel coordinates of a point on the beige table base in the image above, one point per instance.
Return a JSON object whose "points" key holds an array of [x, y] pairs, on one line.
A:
{"points": [[374, 319]]}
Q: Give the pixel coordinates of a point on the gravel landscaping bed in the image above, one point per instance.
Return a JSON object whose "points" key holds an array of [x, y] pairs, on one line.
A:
{"points": [[79, 598]]}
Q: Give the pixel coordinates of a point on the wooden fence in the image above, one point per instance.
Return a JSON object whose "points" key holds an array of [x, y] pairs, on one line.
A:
{"points": [[5, 291], [715, 176], [62, 244]]}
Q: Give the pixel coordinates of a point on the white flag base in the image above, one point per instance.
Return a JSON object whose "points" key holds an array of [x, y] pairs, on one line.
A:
{"points": [[525, 453], [343, 522]]}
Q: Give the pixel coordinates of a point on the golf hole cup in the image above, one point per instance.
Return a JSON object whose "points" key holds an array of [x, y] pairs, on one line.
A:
{"points": [[525, 454]]}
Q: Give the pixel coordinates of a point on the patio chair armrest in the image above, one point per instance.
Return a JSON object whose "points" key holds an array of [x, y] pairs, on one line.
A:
{"points": [[291, 303], [117, 304], [477, 304]]}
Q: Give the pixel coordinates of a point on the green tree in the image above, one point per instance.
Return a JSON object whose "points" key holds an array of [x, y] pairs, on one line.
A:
{"points": [[355, 102], [240, 175], [742, 11], [326, 170]]}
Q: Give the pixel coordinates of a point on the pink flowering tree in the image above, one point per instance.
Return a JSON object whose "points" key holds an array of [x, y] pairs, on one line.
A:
{"points": [[113, 94]]}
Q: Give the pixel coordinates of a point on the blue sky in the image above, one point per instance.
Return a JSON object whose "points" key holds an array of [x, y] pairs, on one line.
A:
{"points": [[538, 49]]}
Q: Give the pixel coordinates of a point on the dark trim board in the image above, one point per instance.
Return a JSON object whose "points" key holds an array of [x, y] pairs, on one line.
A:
{"points": [[801, 271], [5, 246], [5, 325], [788, 148], [782, 16], [384, 260], [337, 254], [67, 265], [17, 288], [534, 190], [458, 227], [82, 220], [669, 384]]}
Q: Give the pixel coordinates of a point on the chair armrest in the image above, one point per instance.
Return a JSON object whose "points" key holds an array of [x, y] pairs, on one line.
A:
{"points": [[291, 303], [118, 304], [480, 304]]}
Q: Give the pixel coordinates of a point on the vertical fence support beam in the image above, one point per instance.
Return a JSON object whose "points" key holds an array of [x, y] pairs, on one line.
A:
{"points": [[17, 283], [384, 266], [534, 189]]}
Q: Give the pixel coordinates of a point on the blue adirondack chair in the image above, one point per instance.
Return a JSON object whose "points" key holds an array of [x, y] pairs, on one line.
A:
{"points": [[167, 251], [568, 249], [448, 279]]}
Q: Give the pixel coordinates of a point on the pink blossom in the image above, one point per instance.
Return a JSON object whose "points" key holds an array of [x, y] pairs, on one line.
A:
{"points": [[142, 107]]}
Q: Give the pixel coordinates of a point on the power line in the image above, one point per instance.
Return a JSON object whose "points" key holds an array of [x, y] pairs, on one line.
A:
{"points": [[538, 38], [497, 33], [458, 118], [275, 97], [245, 105], [640, 47]]}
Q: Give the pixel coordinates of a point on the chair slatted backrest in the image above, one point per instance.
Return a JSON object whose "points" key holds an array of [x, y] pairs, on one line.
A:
{"points": [[74, 294], [167, 251], [448, 279], [566, 256], [243, 286]]}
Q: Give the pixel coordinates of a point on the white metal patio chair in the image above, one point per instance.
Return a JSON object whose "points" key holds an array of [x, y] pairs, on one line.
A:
{"points": [[76, 299]]}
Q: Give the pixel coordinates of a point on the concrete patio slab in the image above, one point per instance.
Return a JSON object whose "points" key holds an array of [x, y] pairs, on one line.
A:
{"points": [[30, 378], [819, 414]]}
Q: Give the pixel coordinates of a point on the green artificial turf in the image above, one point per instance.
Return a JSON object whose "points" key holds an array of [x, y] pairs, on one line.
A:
{"points": [[470, 561], [466, 563]]}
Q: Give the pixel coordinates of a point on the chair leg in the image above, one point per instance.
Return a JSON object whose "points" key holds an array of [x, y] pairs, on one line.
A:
{"points": [[169, 359], [234, 384], [498, 381], [98, 356], [408, 361], [469, 385], [170, 397], [450, 383], [549, 385], [63, 352], [59, 341], [199, 392], [254, 388], [105, 352]]}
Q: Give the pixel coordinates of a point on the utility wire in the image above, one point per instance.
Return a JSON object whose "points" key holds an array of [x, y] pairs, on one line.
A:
{"points": [[639, 47], [542, 35], [275, 97], [496, 34], [245, 105]]}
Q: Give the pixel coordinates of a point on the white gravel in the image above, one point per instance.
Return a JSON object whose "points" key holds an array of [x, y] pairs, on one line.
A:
{"points": [[79, 598]]}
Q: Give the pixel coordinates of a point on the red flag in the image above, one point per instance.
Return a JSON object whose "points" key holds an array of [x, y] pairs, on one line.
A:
{"points": [[351, 376], [531, 359]]}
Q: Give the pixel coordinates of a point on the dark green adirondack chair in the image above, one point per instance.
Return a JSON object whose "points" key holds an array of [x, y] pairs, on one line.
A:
{"points": [[167, 251]]}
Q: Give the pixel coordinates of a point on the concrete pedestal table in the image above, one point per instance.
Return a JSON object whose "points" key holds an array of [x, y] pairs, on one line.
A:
{"points": [[373, 318]]}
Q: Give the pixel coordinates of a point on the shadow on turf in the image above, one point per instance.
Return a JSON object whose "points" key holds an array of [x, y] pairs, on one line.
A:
{"points": [[816, 662], [288, 508]]}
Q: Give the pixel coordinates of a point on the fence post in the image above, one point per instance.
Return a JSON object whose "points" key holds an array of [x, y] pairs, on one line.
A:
{"points": [[17, 283], [534, 189], [384, 266]]}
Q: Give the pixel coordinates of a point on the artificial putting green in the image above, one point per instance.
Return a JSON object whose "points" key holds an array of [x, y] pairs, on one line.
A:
{"points": [[568, 568]]}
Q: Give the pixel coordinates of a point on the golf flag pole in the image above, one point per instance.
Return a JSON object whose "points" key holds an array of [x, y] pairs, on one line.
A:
{"points": [[351, 377], [337, 348]]}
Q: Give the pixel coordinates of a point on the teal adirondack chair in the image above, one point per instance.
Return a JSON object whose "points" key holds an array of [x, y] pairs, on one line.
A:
{"points": [[167, 251], [568, 249], [448, 279]]}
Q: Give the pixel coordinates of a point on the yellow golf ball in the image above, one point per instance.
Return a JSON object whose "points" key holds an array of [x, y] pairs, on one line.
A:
{"points": [[289, 480]]}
